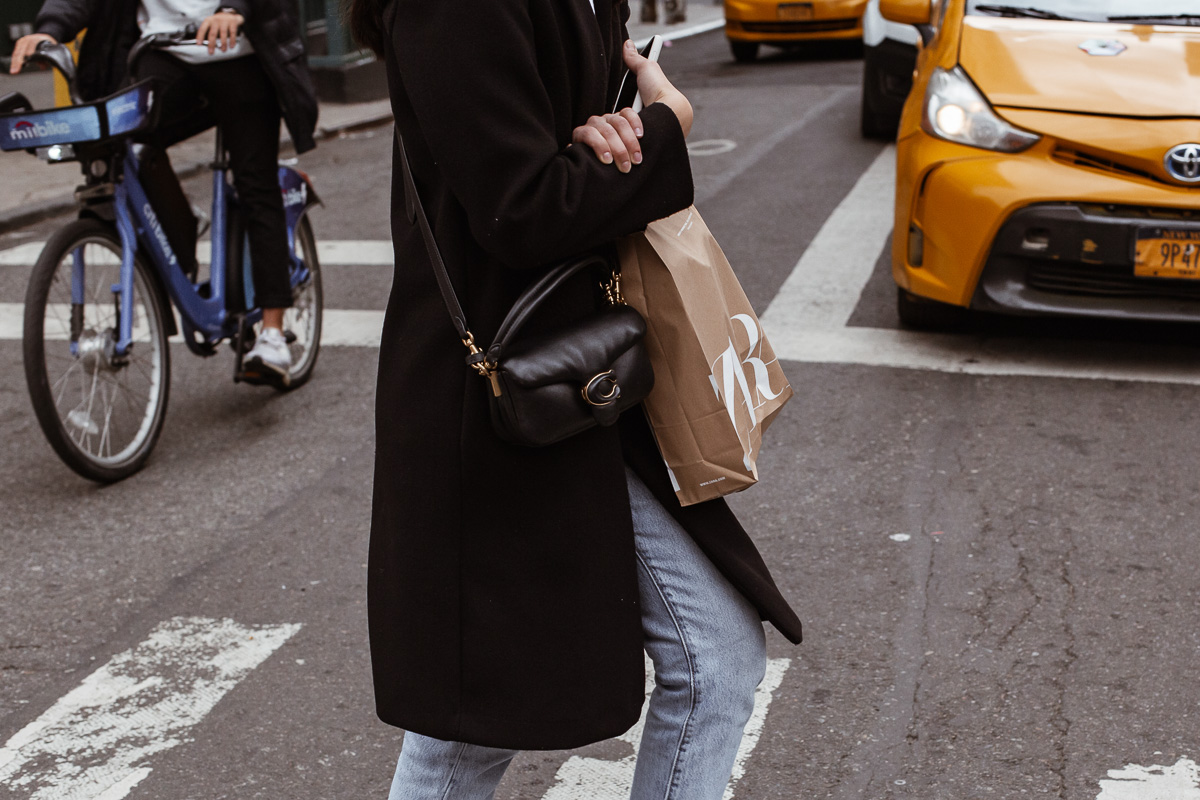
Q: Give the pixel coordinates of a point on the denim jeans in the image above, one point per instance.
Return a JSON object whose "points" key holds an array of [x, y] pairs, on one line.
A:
{"points": [[709, 654]]}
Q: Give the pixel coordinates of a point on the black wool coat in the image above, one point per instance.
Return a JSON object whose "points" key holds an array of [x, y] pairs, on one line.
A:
{"points": [[272, 26], [502, 589]]}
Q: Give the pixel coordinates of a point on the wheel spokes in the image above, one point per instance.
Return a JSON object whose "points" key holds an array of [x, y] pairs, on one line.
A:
{"points": [[115, 400]]}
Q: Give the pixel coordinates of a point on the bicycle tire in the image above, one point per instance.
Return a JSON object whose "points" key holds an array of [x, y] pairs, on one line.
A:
{"points": [[309, 300], [92, 367]]}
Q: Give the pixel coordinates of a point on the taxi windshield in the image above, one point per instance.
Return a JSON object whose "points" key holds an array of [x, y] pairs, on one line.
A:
{"points": [[1150, 12]]}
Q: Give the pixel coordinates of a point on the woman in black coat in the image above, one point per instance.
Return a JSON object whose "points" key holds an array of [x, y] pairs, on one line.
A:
{"points": [[512, 590]]}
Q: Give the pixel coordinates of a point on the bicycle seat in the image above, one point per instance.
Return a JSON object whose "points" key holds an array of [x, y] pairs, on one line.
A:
{"points": [[120, 114]]}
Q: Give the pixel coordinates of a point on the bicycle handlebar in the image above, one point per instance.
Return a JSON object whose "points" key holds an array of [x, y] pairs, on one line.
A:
{"points": [[59, 57]]}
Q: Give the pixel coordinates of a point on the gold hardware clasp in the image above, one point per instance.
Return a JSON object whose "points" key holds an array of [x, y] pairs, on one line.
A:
{"points": [[484, 367], [602, 389], [612, 290]]}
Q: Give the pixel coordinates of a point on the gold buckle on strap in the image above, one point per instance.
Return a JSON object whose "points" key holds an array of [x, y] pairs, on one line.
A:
{"points": [[612, 290]]}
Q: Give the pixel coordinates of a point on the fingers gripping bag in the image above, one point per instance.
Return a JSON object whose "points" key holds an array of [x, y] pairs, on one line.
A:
{"points": [[718, 384]]}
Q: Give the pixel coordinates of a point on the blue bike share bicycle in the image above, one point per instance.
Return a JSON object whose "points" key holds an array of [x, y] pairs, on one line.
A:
{"points": [[98, 306]]}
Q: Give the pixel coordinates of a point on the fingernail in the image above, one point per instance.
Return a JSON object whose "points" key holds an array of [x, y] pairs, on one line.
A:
{"points": [[626, 166], [637, 158], [606, 158], [637, 131], [629, 45]]}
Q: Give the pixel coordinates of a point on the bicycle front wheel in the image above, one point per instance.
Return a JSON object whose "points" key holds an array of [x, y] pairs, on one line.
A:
{"points": [[101, 411], [302, 322]]}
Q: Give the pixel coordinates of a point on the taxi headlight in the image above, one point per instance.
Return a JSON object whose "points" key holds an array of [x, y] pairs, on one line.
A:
{"points": [[957, 112]]}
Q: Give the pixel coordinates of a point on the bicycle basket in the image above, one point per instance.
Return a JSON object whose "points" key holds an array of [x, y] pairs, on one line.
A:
{"points": [[126, 112]]}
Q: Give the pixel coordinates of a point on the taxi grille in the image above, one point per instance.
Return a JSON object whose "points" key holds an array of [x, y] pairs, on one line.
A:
{"points": [[1101, 281], [807, 26], [1078, 158]]}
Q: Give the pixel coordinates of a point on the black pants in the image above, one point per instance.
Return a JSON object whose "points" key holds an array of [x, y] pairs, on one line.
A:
{"points": [[242, 101]]}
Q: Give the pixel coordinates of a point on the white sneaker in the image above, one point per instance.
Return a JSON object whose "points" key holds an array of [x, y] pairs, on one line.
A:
{"points": [[269, 361]]}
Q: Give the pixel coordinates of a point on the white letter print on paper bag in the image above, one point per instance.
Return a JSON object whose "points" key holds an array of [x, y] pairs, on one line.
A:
{"points": [[731, 369]]}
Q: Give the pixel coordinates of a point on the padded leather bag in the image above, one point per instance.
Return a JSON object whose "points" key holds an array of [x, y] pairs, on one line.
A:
{"points": [[549, 387]]}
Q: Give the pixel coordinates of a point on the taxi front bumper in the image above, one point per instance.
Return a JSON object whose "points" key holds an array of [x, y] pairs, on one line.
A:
{"points": [[1032, 233], [784, 22]]}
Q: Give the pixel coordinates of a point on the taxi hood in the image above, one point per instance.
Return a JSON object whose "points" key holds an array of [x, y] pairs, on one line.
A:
{"points": [[1043, 64]]}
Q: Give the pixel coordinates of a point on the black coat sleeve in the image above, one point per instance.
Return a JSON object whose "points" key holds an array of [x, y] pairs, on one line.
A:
{"points": [[470, 69], [64, 19]]}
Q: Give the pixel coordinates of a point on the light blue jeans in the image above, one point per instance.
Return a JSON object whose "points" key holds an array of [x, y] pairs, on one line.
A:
{"points": [[709, 654]]}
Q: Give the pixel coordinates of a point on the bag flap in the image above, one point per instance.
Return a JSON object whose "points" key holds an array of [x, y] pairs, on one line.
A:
{"points": [[577, 353]]}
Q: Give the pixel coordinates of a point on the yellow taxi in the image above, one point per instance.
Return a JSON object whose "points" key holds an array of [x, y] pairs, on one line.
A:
{"points": [[1048, 160], [750, 23]]}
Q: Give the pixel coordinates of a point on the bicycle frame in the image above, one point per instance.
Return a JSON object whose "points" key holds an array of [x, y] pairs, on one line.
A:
{"points": [[202, 307]]}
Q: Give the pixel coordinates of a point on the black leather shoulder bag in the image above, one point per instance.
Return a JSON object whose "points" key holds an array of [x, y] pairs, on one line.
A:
{"points": [[549, 387]]}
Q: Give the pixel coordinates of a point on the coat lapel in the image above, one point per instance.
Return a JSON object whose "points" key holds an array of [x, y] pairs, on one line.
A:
{"points": [[592, 56]]}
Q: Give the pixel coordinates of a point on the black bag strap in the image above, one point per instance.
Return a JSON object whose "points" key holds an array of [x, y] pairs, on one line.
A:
{"points": [[529, 300], [415, 211], [535, 295]]}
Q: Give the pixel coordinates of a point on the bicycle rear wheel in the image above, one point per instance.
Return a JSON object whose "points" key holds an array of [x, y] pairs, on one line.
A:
{"points": [[102, 413]]}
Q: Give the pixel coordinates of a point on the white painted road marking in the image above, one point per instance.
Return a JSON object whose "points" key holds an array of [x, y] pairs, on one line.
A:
{"points": [[976, 355], [581, 778], [711, 147], [333, 253], [94, 742], [872, 347], [806, 321], [824, 286], [683, 33], [341, 327], [1135, 782]]}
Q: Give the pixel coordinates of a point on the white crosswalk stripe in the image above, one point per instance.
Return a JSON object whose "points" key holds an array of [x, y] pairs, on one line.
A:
{"points": [[1158, 782], [334, 253], [823, 288], [583, 778], [342, 327], [807, 318], [95, 741]]}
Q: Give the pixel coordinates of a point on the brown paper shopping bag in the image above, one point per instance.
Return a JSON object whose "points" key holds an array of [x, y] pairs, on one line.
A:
{"points": [[717, 383]]}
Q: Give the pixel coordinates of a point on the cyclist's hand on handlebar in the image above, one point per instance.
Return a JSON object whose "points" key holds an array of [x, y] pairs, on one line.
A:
{"points": [[25, 47], [220, 30]]}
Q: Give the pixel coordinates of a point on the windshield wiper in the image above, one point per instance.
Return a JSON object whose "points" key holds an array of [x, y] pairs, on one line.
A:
{"points": [[1021, 11], [1165, 19]]}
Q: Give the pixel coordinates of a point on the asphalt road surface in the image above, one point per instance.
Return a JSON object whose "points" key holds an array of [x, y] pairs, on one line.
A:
{"points": [[991, 536]]}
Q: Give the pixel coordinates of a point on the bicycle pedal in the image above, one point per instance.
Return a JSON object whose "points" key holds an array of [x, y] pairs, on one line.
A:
{"points": [[259, 375]]}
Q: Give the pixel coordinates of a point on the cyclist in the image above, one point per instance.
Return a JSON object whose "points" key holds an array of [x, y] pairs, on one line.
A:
{"points": [[249, 81]]}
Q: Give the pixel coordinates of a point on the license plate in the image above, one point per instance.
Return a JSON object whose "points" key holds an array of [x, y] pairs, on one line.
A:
{"points": [[794, 11], [1167, 253]]}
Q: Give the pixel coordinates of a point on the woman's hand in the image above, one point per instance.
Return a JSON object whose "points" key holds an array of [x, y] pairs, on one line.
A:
{"points": [[614, 138], [654, 87], [221, 29], [25, 47]]}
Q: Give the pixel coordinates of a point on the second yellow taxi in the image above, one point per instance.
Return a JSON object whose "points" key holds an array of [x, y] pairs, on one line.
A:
{"points": [[750, 23]]}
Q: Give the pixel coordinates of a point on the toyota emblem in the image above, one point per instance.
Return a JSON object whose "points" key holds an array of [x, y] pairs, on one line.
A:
{"points": [[1183, 162]]}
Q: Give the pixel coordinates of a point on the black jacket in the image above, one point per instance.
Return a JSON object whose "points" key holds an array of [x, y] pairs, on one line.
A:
{"points": [[502, 584], [272, 27]]}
